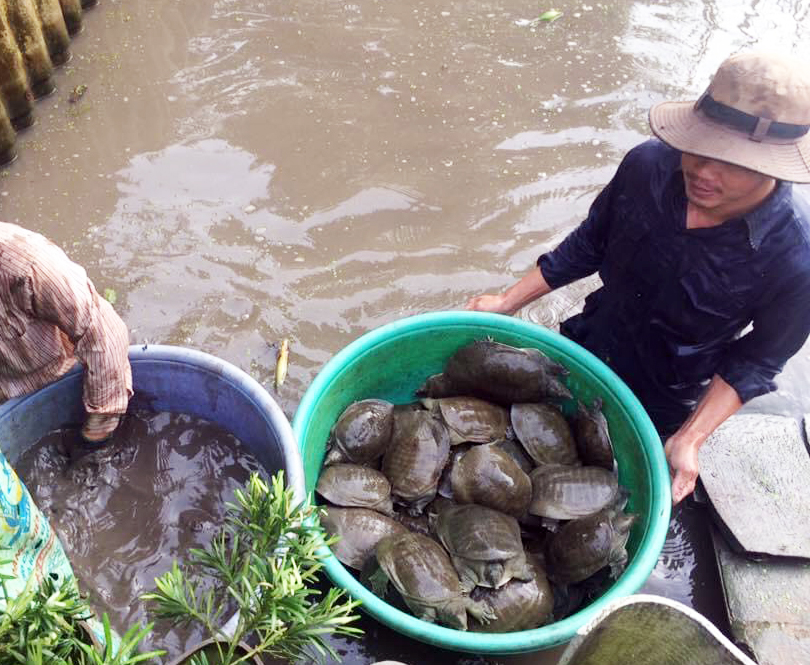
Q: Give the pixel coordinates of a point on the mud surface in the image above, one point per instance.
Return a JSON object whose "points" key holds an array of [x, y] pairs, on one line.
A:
{"points": [[240, 171], [124, 512]]}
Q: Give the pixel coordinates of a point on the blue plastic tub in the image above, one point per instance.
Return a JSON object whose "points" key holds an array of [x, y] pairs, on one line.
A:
{"points": [[173, 379]]}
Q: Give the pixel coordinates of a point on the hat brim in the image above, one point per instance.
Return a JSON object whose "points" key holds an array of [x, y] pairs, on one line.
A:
{"points": [[677, 124]]}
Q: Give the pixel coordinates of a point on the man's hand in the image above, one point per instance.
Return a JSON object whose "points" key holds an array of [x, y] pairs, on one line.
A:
{"points": [[489, 303], [98, 427], [718, 402], [682, 457], [530, 287]]}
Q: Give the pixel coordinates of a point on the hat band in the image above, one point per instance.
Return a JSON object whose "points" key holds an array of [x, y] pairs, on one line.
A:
{"points": [[758, 128]]}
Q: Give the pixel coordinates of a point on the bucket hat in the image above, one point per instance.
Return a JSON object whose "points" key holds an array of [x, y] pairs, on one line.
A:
{"points": [[755, 113]]}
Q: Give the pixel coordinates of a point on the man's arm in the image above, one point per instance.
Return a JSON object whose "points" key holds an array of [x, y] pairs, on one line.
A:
{"points": [[718, 403], [62, 294], [530, 287]]}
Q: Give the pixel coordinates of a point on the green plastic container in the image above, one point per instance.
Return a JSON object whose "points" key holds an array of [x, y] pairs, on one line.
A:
{"points": [[391, 362]]}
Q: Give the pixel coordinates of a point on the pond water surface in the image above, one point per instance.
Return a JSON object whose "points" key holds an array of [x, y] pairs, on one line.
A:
{"points": [[241, 171]]}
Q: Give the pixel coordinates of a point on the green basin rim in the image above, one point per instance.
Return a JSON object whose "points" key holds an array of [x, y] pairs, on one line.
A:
{"points": [[558, 632]]}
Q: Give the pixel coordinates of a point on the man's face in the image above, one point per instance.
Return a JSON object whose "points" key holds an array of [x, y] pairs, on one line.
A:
{"points": [[712, 185]]}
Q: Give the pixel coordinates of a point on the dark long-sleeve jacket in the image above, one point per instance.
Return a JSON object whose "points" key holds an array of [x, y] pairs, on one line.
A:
{"points": [[676, 303]]}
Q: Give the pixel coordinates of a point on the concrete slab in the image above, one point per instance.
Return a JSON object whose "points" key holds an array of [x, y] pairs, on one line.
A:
{"points": [[756, 470], [768, 604]]}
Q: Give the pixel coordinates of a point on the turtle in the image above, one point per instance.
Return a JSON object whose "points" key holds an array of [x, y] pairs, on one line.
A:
{"points": [[518, 605], [488, 476], [569, 492], [505, 374], [413, 462], [445, 487], [423, 574], [544, 433], [362, 432], [438, 386], [484, 545], [358, 531], [517, 452], [470, 419], [592, 436], [584, 546], [353, 485]]}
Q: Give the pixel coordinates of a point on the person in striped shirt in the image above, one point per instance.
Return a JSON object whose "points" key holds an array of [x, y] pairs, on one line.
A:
{"points": [[51, 316]]}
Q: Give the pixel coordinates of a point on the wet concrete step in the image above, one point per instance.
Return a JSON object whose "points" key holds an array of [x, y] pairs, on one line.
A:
{"points": [[768, 604], [756, 470]]}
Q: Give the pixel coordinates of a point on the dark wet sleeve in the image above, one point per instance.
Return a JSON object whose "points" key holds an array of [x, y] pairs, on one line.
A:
{"points": [[582, 251], [780, 329]]}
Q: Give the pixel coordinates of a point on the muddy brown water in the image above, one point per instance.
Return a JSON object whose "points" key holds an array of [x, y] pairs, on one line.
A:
{"points": [[240, 171], [126, 511]]}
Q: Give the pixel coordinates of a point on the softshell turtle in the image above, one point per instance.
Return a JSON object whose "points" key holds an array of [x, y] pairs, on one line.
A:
{"points": [[517, 605], [570, 492], [584, 546], [359, 530], [445, 487], [544, 433], [517, 452], [362, 432], [488, 476], [484, 545], [470, 419], [505, 374], [592, 436], [352, 485], [421, 571], [438, 386], [413, 462]]}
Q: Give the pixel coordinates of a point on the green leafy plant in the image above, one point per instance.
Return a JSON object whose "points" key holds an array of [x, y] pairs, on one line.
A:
{"points": [[264, 561], [43, 624]]}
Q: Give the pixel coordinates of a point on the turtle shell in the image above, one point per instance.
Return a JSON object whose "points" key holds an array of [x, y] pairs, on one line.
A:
{"points": [[415, 458], [470, 419], [518, 605], [484, 545], [488, 476], [505, 374], [583, 547], [352, 485], [570, 492], [358, 530], [544, 433], [362, 432], [592, 436], [421, 571]]}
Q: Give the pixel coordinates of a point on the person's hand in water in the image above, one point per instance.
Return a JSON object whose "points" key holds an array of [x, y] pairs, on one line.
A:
{"points": [[98, 427], [682, 457], [529, 288]]}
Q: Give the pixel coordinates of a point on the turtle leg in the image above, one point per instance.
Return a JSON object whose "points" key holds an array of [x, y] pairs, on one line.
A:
{"points": [[454, 613], [481, 610], [427, 614], [379, 582]]}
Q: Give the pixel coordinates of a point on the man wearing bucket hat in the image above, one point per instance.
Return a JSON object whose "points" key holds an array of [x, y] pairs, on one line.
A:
{"points": [[703, 248]]}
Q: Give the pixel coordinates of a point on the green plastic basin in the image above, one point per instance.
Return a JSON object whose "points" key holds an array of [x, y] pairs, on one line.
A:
{"points": [[392, 361]]}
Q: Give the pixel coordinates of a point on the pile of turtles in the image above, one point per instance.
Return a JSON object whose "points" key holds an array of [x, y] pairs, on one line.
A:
{"points": [[480, 498]]}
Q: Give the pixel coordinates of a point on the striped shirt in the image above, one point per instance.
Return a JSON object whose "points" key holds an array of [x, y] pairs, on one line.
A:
{"points": [[50, 317]]}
